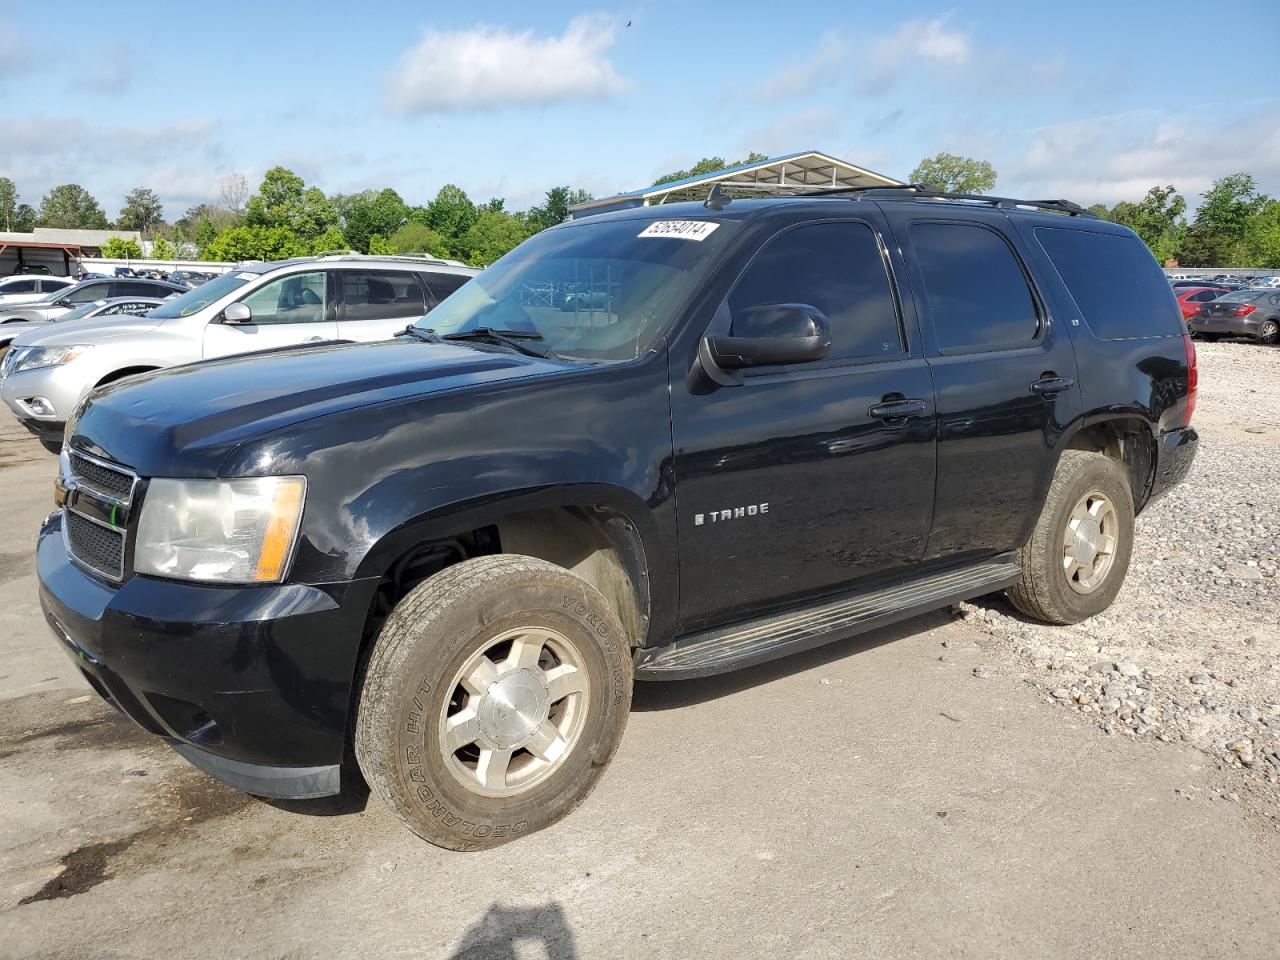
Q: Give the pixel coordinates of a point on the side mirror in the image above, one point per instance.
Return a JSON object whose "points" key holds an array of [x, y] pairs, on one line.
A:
{"points": [[772, 333], [237, 314]]}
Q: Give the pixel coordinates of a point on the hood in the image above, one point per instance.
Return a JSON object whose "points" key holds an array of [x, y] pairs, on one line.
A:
{"points": [[183, 421], [11, 331], [56, 333]]}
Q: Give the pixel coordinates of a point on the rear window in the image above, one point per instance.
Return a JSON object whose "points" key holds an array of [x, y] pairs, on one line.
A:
{"points": [[1115, 282], [1245, 296]]}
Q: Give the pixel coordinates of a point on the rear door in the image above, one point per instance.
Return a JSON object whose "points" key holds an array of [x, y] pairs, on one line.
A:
{"points": [[294, 309], [378, 304], [1005, 374], [801, 482]]}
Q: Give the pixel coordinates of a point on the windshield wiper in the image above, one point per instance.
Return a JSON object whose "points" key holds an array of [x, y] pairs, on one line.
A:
{"points": [[426, 336], [508, 338]]}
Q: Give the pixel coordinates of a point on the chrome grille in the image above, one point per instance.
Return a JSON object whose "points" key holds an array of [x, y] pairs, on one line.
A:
{"points": [[95, 545], [102, 477]]}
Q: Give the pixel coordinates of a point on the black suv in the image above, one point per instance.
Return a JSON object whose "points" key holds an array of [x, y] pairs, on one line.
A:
{"points": [[658, 443]]}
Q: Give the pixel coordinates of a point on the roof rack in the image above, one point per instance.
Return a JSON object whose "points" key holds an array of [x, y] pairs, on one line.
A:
{"points": [[923, 192]]}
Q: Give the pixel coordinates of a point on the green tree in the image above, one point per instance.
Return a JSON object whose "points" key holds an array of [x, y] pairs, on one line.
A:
{"points": [[8, 204], [555, 209], [162, 249], [206, 233], [451, 214], [71, 207], [369, 212], [284, 201], [118, 248], [255, 243], [380, 245], [24, 218], [416, 238], [955, 174], [141, 211], [708, 165], [492, 235], [1218, 236], [1262, 238], [331, 239]]}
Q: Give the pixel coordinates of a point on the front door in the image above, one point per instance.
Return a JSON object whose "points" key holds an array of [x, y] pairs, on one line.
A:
{"points": [[294, 309], [807, 478], [1005, 374]]}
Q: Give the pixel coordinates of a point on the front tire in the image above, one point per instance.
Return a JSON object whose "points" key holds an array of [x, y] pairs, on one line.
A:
{"points": [[494, 698], [1075, 562]]}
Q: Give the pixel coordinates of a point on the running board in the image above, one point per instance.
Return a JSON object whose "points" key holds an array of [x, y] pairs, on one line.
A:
{"points": [[767, 638]]}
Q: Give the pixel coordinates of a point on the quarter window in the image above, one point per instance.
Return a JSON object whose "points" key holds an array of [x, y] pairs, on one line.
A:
{"points": [[297, 298], [977, 293], [382, 295], [443, 284], [838, 268]]}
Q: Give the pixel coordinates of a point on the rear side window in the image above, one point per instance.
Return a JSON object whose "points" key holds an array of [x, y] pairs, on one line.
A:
{"points": [[838, 268], [381, 295], [1114, 281], [1203, 296], [977, 292], [20, 286]]}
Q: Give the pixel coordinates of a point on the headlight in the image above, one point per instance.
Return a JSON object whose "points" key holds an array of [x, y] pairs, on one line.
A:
{"points": [[33, 358], [228, 531]]}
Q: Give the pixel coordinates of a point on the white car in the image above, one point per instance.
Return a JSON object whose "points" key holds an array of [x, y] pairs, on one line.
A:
{"points": [[257, 306], [24, 287]]}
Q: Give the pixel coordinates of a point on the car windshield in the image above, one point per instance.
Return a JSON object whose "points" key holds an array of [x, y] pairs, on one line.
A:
{"points": [[592, 291], [195, 300]]}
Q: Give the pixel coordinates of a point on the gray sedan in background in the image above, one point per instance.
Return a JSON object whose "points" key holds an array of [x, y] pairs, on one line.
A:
{"points": [[112, 307]]}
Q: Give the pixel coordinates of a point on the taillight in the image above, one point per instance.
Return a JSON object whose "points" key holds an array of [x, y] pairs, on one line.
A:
{"points": [[1244, 310], [1193, 378]]}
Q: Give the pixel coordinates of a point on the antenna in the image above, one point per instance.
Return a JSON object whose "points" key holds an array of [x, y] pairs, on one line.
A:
{"points": [[717, 199]]}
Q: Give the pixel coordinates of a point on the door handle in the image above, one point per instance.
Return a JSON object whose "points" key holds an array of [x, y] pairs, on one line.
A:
{"points": [[1050, 386], [898, 409]]}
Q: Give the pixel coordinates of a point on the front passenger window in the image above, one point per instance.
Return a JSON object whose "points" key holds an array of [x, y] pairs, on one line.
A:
{"points": [[838, 268], [87, 293], [298, 298]]}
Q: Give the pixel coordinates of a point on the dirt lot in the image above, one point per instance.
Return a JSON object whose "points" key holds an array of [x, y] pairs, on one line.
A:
{"points": [[964, 784]]}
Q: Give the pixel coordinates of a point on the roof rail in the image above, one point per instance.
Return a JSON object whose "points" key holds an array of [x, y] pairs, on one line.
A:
{"points": [[923, 192]]}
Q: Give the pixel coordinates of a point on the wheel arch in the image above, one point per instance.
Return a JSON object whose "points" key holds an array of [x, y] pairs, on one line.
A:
{"points": [[599, 532], [1126, 437], [123, 372]]}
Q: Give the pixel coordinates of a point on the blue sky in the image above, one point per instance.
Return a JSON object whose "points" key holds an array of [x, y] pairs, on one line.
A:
{"points": [[1091, 101]]}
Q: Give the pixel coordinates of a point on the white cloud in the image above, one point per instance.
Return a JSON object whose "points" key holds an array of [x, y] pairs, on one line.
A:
{"points": [[14, 55], [487, 66], [916, 42], [1120, 157], [113, 71], [800, 78]]}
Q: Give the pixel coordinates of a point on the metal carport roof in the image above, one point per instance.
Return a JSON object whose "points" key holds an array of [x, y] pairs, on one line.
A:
{"points": [[803, 172]]}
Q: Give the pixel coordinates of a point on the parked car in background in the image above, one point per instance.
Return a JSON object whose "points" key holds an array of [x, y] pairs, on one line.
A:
{"points": [[1190, 298], [192, 278], [259, 306], [114, 307], [60, 301], [26, 287], [29, 268], [1246, 313], [1202, 283]]}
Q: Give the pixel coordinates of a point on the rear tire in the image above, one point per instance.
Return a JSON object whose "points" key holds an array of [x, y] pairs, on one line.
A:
{"points": [[1270, 333], [1075, 562], [494, 698]]}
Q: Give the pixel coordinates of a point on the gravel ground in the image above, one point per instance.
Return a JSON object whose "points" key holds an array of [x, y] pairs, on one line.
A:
{"points": [[1190, 651]]}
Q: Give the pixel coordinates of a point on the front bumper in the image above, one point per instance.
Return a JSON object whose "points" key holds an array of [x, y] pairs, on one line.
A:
{"points": [[251, 684], [1175, 453], [42, 399]]}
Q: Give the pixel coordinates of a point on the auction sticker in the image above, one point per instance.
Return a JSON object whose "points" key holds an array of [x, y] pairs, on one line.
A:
{"points": [[680, 229]]}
